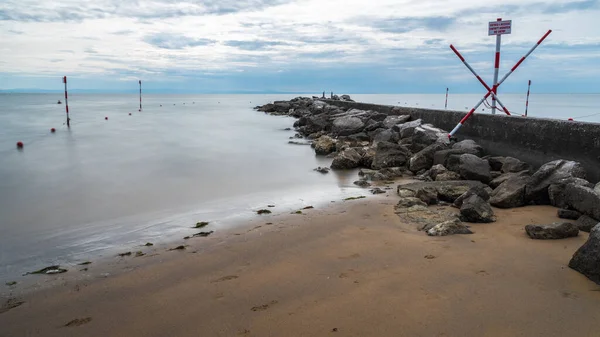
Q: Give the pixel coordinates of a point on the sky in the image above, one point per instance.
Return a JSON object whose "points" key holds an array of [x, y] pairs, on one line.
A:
{"points": [[345, 46]]}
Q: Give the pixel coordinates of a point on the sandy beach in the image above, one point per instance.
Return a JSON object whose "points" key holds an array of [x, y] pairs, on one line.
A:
{"points": [[352, 268]]}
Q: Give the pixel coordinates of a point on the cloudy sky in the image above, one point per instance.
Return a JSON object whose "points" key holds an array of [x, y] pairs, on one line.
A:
{"points": [[374, 46]]}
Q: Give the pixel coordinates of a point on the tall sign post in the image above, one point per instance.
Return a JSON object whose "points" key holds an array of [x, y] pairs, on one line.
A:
{"points": [[67, 102], [498, 28]]}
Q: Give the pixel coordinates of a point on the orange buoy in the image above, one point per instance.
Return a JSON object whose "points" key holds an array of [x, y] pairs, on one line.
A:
{"points": [[571, 119], [19, 145], [53, 130]]}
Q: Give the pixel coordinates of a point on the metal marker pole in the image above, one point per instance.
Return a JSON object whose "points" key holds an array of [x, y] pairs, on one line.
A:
{"points": [[446, 105], [479, 78], [140, 81], [67, 102], [496, 69], [462, 121], [527, 101]]}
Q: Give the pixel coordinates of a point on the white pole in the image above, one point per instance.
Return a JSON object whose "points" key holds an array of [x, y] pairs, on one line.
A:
{"points": [[496, 69]]}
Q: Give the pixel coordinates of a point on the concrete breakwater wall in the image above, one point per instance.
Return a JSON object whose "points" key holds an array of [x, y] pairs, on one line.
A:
{"points": [[533, 140]]}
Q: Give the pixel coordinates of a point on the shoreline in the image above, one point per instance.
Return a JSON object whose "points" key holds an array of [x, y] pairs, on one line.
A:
{"points": [[327, 266]]}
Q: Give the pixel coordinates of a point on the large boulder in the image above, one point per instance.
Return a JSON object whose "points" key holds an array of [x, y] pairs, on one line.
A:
{"points": [[428, 195], [390, 155], [447, 176], [583, 199], [407, 129], [442, 157], [470, 167], [514, 165], [408, 202], [390, 121], [450, 227], [372, 125], [346, 98], [447, 191], [366, 157], [314, 124], [511, 193], [324, 145], [504, 177], [386, 135], [554, 231], [425, 135], [435, 170], [496, 163], [469, 146], [568, 214], [475, 209], [347, 125], [556, 191], [586, 259], [536, 190], [477, 190], [346, 159], [586, 223], [423, 159], [597, 188]]}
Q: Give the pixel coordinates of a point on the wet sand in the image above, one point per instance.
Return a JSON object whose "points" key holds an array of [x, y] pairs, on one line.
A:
{"points": [[350, 269]]}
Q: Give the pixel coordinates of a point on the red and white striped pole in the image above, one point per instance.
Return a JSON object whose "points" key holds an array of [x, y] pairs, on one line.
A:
{"points": [[140, 81], [464, 119], [67, 102], [446, 105], [496, 69], [479, 78], [527, 101]]}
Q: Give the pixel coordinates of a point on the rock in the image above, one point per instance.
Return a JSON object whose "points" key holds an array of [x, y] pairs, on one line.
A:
{"points": [[335, 97], [313, 124], [367, 156], [391, 121], [407, 129], [359, 137], [390, 155], [406, 193], [536, 190], [450, 227], [447, 191], [556, 191], [437, 169], [471, 167], [513, 165], [347, 159], [583, 199], [324, 145], [510, 193], [496, 163], [407, 202], [50, 270], [597, 188], [478, 190], [425, 135], [586, 259], [568, 214], [447, 176], [377, 190], [323, 170], [424, 158], [348, 125], [385, 135], [362, 183], [554, 231], [346, 98], [495, 174], [504, 177], [442, 157], [428, 195], [469, 146], [299, 143], [475, 209], [585, 223]]}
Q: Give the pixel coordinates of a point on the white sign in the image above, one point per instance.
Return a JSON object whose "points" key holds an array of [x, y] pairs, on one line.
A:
{"points": [[500, 27]]}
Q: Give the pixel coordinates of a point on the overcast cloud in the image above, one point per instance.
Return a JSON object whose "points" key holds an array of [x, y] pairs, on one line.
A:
{"points": [[294, 45]]}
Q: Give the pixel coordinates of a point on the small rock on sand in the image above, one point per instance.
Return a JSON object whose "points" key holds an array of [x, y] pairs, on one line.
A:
{"points": [[553, 231]]}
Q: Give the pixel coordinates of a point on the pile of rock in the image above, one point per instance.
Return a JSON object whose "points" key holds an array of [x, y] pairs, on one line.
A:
{"points": [[458, 173]]}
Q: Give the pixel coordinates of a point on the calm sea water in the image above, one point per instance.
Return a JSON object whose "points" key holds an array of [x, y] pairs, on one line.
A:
{"points": [[108, 185]]}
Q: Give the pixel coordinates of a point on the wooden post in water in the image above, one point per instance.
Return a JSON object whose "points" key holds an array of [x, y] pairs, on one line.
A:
{"points": [[527, 101], [140, 81], [446, 105], [67, 102]]}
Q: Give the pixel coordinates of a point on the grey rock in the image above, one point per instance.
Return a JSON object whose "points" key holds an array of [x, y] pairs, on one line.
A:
{"points": [[391, 121], [536, 190], [496, 163], [372, 125], [556, 191], [347, 159], [324, 145], [568, 214], [469, 146], [504, 177], [495, 174], [424, 158], [478, 190], [583, 199], [313, 124], [406, 193], [346, 98], [447, 191], [450, 227], [513, 165], [510, 193], [390, 155], [585, 223], [377, 190], [428, 195], [386, 135], [447, 176], [407, 202], [366, 157], [475, 209], [348, 125], [437, 169], [586, 259], [359, 137], [407, 129], [442, 157], [597, 188], [553, 231], [362, 183], [471, 167], [425, 135], [323, 170]]}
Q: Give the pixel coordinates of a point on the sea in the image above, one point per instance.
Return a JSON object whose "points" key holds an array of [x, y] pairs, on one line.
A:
{"points": [[119, 177]]}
